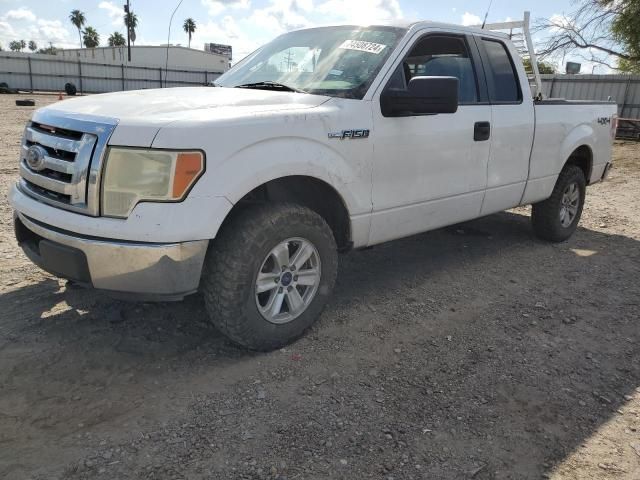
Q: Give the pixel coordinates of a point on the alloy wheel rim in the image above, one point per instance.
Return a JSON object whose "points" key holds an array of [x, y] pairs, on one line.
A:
{"points": [[569, 204], [288, 280]]}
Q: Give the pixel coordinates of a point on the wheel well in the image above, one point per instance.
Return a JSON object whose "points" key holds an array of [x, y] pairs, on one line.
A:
{"points": [[582, 157], [309, 192]]}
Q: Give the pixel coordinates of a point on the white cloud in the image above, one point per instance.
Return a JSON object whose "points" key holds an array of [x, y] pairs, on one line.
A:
{"points": [[225, 31], [361, 11], [560, 20], [21, 13], [471, 19], [52, 31], [283, 15], [6, 30], [115, 12], [23, 24], [216, 7]]}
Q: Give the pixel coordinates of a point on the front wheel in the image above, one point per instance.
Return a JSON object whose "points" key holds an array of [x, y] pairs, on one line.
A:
{"points": [[556, 218], [269, 275]]}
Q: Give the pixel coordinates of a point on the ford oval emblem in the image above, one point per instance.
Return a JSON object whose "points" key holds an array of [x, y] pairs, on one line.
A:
{"points": [[35, 157]]}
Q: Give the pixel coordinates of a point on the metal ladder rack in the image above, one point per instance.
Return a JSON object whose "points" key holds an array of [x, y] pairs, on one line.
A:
{"points": [[520, 35]]}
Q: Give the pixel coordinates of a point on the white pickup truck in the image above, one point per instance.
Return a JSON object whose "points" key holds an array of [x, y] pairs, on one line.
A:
{"points": [[324, 140]]}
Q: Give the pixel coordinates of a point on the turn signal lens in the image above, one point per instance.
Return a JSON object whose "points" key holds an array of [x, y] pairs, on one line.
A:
{"points": [[189, 165]]}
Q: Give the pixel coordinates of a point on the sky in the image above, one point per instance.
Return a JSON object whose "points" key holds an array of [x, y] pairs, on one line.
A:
{"points": [[244, 24]]}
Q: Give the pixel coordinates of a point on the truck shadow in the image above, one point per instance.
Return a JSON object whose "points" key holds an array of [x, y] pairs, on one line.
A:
{"points": [[514, 352]]}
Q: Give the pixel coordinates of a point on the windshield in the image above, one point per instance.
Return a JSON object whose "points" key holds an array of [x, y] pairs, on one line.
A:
{"points": [[334, 61]]}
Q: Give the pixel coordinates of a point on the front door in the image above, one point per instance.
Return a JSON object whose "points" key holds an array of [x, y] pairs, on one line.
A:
{"points": [[431, 170]]}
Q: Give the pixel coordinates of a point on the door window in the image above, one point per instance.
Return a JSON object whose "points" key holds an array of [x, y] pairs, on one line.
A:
{"points": [[439, 56]]}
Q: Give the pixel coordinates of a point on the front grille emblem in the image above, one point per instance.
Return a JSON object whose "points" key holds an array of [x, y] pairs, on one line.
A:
{"points": [[35, 157]]}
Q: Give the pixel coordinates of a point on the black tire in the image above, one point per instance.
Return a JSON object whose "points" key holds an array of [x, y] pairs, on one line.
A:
{"points": [[545, 216], [235, 258], [70, 89], [26, 103]]}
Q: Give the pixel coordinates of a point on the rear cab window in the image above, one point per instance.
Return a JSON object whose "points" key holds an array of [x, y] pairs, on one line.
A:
{"points": [[502, 78]]}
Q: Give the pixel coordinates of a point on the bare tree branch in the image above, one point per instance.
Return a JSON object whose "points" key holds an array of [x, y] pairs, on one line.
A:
{"points": [[587, 29]]}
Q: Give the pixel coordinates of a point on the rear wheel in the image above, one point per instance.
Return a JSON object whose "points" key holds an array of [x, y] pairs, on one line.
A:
{"points": [[556, 218], [269, 274]]}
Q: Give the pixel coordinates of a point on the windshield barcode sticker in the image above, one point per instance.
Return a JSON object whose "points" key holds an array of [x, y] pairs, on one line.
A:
{"points": [[362, 46]]}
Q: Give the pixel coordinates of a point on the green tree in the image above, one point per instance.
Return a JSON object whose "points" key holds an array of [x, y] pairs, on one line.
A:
{"points": [[17, 45], [78, 19], [50, 50], [626, 30], [90, 37], [189, 26], [33, 46], [116, 39], [543, 67], [131, 22]]}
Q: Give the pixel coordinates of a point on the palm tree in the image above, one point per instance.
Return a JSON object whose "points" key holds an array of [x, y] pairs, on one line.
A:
{"points": [[116, 39], [131, 22], [91, 37], [78, 19], [189, 27], [33, 46]]}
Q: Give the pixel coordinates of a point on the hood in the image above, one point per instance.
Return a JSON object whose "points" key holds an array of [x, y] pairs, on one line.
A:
{"points": [[141, 113], [163, 105]]}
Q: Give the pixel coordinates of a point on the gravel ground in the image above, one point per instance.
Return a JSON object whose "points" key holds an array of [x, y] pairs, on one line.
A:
{"points": [[472, 352]]}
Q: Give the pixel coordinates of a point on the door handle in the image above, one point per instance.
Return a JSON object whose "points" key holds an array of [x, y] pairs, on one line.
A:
{"points": [[481, 131]]}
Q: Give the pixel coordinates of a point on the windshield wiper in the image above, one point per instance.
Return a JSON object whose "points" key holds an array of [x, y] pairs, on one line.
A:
{"points": [[270, 85]]}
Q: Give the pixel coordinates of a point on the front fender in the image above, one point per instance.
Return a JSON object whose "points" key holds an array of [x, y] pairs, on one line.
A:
{"points": [[280, 157]]}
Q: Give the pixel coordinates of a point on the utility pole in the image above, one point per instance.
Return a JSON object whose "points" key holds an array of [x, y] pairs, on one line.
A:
{"points": [[128, 20]]}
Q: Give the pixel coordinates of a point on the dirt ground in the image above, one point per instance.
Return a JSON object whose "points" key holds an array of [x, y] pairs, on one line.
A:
{"points": [[472, 352]]}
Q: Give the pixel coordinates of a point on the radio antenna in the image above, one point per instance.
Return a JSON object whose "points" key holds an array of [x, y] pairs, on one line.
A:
{"points": [[484, 22]]}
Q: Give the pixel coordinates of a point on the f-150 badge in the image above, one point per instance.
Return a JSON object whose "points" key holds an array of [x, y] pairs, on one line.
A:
{"points": [[350, 134]]}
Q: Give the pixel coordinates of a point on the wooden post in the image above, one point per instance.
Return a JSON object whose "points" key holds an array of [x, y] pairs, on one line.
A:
{"points": [[160, 70], [122, 72]]}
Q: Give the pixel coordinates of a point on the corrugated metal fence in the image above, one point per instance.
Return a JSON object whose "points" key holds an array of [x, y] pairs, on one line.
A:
{"points": [[48, 73], [623, 89]]}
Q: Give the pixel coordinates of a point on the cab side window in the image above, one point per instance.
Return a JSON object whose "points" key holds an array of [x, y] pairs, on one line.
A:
{"points": [[502, 79], [439, 56]]}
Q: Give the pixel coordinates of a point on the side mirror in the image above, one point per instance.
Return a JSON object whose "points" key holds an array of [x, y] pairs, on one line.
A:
{"points": [[423, 96]]}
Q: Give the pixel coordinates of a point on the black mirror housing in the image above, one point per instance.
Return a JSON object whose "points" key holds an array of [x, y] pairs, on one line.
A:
{"points": [[423, 96]]}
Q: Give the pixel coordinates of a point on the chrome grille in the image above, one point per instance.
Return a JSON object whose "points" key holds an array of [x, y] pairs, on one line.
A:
{"points": [[69, 174]]}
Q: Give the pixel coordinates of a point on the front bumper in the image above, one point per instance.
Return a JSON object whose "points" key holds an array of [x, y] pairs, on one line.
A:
{"points": [[163, 271]]}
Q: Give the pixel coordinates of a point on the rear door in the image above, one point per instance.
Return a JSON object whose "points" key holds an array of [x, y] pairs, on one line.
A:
{"points": [[512, 125], [431, 170]]}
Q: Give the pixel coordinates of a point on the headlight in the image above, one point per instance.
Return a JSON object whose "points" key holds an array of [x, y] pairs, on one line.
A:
{"points": [[133, 175]]}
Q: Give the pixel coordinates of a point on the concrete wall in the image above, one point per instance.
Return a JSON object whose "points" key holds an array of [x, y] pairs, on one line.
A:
{"points": [[151, 56]]}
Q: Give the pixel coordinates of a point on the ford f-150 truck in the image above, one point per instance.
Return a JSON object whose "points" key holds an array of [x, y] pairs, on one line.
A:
{"points": [[322, 141]]}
